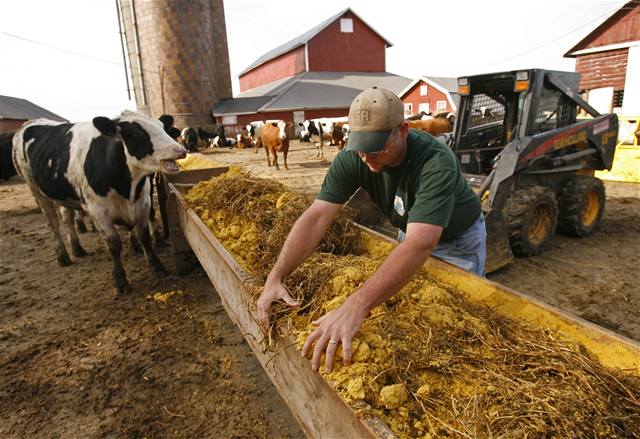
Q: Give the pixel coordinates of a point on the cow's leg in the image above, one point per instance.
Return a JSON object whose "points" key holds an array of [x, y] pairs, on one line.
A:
{"points": [[284, 154], [68, 216], [157, 237], [149, 252], [257, 145], [162, 202], [104, 223], [81, 227], [119, 276], [275, 159], [135, 244], [49, 210], [266, 151]]}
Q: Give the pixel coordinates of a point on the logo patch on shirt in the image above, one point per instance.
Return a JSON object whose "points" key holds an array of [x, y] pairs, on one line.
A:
{"points": [[398, 205]]}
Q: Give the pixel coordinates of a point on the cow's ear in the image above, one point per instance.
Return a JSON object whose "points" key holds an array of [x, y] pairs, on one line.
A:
{"points": [[167, 120], [105, 125]]}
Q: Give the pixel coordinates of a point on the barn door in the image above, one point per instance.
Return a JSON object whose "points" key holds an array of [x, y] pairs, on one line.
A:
{"points": [[298, 118]]}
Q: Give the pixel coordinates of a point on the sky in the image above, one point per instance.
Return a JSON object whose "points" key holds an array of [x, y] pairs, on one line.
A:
{"points": [[65, 55]]}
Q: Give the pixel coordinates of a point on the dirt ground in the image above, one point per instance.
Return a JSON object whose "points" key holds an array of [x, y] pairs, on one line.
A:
{"points": [[75, 361]]}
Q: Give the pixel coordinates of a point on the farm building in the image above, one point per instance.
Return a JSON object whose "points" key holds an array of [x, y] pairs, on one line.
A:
{"points": [[176, 56], [608, 60], [431, 95], [317, 74], [15, 111]]}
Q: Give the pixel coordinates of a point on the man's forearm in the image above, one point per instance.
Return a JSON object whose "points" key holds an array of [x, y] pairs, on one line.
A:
{"points": [[303, 238], [392, 275]]}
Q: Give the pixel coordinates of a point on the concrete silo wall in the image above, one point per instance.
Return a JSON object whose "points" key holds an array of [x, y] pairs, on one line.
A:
{"points": [[178, 57]]}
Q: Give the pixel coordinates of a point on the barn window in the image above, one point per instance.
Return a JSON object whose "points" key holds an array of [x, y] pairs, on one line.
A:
{"points": [[424, 107], [423, 90], [441, 106], [618, 96], [408, 109], [229, 120], [346, 25]]}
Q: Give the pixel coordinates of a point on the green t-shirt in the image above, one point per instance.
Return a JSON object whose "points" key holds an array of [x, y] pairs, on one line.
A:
{"points": [[427, 188]]}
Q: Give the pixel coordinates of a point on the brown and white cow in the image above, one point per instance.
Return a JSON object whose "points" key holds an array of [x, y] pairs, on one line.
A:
{"points": [[340, 134], [435, 126], [273, 136], [101, 167]]}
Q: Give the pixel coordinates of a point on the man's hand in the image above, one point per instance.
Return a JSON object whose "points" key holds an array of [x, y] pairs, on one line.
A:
{"points": [[337, 326], [272, 292]]}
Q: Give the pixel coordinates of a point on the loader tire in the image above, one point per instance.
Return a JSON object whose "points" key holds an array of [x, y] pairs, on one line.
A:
{"points": [[581, 202], [531, 215]]}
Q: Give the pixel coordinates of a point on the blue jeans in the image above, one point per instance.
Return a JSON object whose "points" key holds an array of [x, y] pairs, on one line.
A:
{"points": [[468, 251]]}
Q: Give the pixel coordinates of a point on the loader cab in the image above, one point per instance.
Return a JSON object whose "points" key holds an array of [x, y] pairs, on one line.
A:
{"points": [[497, 108]]}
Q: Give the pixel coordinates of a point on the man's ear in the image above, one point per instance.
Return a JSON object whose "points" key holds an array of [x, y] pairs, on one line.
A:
{"points": [[404, 128], [106, 126]]}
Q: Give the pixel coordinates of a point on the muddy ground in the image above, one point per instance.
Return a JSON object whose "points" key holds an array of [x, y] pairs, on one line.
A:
{"points": [[75, 361]]}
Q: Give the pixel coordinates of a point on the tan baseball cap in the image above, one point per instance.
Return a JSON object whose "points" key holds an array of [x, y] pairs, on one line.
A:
{"points": [[372, 116]]}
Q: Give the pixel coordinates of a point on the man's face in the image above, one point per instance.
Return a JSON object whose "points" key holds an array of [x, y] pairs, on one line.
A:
{"points": [[392, 154]]}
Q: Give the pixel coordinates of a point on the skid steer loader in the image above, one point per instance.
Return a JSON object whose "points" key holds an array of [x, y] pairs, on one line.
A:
{"points": [[531, 161]]}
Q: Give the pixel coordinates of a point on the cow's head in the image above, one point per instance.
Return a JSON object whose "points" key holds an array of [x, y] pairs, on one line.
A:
{"points": [[304, 133], [147, 145], [345, 131], [451, 117], [282, 128], [327, 126]]}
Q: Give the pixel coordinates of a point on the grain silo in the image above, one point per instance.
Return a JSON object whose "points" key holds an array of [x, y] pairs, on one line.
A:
{"points": [[177, 57]]}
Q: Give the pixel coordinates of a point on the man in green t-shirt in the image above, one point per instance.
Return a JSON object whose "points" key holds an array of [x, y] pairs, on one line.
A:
{"points": [[417, 182]]}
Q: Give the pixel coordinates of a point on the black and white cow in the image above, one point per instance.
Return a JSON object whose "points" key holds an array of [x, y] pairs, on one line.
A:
{"points": [[254, 129], [101, 167], [190, 139], [7, 170], [222, 142], [205, 136], [317, 130]]}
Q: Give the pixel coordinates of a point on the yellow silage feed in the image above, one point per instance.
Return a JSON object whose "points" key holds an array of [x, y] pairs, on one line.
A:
{"points": [[428, 362], [626, 165], [197, 161]]}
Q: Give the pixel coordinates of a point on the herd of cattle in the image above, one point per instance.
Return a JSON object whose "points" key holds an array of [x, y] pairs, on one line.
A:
{"points": [[105, 169]]}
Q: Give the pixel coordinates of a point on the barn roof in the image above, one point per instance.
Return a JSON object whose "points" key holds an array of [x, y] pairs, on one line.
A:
{"points": [[608, 19], [309, 90], [303, 39], [22, 109], [448, 86]]}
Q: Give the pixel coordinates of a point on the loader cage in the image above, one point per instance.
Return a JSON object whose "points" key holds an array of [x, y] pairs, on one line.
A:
{"points": [[488, 119]]}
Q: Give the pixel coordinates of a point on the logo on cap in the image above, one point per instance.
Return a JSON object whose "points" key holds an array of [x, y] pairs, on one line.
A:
{"points": [[362, 117]]}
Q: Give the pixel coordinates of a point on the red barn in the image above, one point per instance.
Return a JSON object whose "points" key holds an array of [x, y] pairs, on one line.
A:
{"points": [[314, 75], [608, 60], [431, 95]]}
